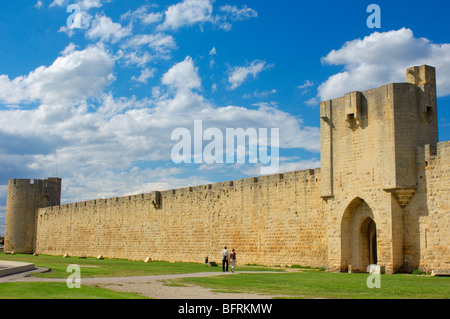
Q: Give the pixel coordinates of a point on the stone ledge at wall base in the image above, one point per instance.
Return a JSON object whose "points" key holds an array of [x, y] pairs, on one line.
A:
{"points": [[441, 273], [8, 268], [371, 269]]}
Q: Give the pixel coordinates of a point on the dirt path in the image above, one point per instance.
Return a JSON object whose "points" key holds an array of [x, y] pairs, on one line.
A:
{"points": [[152, 286]]}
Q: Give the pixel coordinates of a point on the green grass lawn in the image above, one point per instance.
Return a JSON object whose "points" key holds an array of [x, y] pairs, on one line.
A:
{"points": [[93, 267], [320, 284], [298, 284], [90, 267], [54, 290]]}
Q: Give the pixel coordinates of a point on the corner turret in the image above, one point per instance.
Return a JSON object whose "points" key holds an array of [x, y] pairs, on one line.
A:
{"points": [[23, 199]]}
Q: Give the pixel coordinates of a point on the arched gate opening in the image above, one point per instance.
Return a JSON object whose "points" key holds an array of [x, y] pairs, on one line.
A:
{"points": [[358, 237]]}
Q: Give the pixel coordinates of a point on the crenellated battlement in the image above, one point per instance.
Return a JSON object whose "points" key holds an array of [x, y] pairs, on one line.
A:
{"points": [[155, 198], [168, 219]]}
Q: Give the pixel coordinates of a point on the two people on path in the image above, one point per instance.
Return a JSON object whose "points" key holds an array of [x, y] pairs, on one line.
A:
{"points": [[228, 258]]}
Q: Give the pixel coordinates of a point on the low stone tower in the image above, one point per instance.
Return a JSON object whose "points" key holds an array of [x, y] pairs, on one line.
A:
{"points": [[23, 199]]}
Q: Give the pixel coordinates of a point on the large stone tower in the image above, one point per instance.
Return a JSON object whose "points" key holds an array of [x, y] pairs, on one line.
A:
{"points": [[370, 144], [23, 199]]}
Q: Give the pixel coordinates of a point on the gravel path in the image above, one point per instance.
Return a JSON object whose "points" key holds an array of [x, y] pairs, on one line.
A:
{"points": [[150, 286]]}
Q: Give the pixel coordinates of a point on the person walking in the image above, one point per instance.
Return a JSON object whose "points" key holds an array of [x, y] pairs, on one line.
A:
{"points": [[233, 260], [225, 258]]}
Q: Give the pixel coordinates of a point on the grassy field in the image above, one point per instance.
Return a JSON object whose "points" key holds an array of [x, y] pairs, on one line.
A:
{"points": [[300, 283], [55, 290], [93, 267], [320, 284], [90, 268]]}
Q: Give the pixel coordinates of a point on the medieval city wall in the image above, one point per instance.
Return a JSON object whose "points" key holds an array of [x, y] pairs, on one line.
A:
{"points": [[270, 220], [381, 196], [427, 217]]}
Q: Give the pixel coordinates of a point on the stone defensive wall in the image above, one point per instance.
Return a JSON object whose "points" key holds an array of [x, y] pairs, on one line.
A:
{"points": [[381, 196], [271, 220], [427, 217]]}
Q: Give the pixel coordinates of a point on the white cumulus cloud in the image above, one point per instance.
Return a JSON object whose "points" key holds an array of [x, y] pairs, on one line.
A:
{"points": [[159, 42], [105, 29], [183, 75], [84, 4], [240, 73], [382, 58], [192, 12], [75, 76], [187, 13], [141, 14], [236, 14], [145, 75]]}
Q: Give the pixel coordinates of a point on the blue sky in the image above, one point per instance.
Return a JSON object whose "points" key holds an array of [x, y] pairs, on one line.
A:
{"points": [[96, 105]]}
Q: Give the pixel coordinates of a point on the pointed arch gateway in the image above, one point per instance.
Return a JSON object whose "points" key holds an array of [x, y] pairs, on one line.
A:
{"points": [[358, 236]]}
